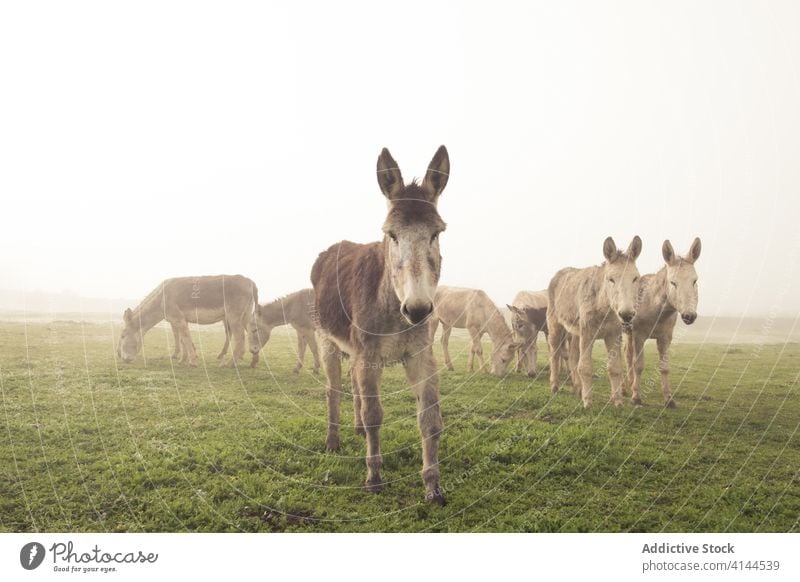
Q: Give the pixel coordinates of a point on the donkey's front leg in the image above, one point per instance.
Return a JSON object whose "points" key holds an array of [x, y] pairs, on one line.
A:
{"points": [[424, 381], [301, 353], [613, 348], [368, 377], [635, 366], [332, 362], [357, 420], [585, 364], [663, 343]]}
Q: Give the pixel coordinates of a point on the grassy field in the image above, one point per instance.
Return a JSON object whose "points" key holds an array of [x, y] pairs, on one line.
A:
{"points": [[86, 445]]}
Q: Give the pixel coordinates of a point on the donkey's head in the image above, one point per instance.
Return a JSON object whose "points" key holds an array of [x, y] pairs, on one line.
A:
{"points": [[130, 341], [519, 321], [258, 331], [502, 354], [621, 278], [412, 229], [682, 280]]}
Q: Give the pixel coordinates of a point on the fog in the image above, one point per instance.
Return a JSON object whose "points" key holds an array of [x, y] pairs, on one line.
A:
{"points": [[162, 139]]}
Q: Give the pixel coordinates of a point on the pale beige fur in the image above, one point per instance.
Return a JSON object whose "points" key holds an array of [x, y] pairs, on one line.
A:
{"points": [[663, 296], [296, 309], [184, 300], [590, 304], [471, 309]]}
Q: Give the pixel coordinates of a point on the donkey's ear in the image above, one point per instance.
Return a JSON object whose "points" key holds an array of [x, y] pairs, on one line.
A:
{"points": [[127, 317], [389, 177], [668, 252], [609, 249], [694, 250], [437, 174], [513, 309], [635, 248]]}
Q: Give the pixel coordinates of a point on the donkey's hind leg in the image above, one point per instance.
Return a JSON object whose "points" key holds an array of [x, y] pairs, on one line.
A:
{"points": [[556, 337], [176, 336], [301, 352], [332, 363], [311, 340]]}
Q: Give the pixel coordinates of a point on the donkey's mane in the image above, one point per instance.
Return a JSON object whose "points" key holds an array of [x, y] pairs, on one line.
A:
{"points": [[150, 298]]}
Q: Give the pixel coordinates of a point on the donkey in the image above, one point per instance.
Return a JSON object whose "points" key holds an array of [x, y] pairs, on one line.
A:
{"points": [[528, 318], [471, 309], [185, 300], [372, 303], [297, 310], [588, 304], [662, 296]]}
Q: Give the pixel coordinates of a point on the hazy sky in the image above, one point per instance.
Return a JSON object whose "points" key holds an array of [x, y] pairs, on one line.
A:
{"points": [[145, 140]]}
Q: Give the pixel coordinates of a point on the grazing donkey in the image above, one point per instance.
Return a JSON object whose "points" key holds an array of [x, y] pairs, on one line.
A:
{"points": [[471, 309], [297, 310], [589, 304], [528, 318], [662, 296], [185, 300], [372, 303]]}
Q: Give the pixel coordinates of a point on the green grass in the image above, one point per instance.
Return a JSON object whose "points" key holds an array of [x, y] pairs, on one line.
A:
{"points": [[86, 445]]}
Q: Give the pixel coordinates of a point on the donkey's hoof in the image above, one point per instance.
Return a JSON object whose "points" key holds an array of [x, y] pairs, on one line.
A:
{"points": [[373, 485], [360, 430], [617, 403], [587, 404], [532, 374], [636, 401], [671, 404], [436, 497], [332, 443], [450, 367], [316, 371], [554, 389], [296, 371]]}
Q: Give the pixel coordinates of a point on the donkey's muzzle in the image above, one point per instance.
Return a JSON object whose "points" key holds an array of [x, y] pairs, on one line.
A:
{"points": [[416, 313], [688, 318], [627, 316]]}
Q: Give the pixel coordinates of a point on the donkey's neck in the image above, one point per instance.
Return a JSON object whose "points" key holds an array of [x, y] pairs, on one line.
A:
{"points": [[657, 294], [274, 313], [150, 311], [497, 327]]}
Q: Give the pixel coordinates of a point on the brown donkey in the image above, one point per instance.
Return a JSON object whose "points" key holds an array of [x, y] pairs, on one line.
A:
{"points": [[662, 296], [185, 300], [372, 303], [590, 304]]}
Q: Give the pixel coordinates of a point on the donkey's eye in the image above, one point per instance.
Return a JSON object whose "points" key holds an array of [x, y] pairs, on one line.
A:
{"points": [[694, 282], [392, 236], [673, 283], [611, 280], [635, 279], [434, 238]]}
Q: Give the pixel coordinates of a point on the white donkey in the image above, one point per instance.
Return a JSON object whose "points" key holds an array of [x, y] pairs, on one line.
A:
{"points": [[590, 304], [662, 296], [471, 309]]}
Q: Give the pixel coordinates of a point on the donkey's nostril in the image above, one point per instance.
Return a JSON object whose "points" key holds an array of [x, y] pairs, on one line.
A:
{"points": [[688, 318], [627, 316]]}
